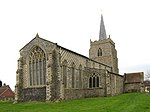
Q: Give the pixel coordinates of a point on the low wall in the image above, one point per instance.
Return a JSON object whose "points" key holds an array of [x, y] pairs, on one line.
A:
{"points": [[71, 94], [133, 87]]}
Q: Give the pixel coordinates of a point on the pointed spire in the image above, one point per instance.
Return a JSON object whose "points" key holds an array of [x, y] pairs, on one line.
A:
{"points": [[37, 35], [102, 33]]}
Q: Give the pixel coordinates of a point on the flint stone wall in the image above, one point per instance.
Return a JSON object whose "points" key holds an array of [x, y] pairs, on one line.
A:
{"points": [[34, 94], [71, 94]]}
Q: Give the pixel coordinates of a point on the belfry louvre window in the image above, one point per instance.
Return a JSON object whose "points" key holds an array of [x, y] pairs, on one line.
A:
{"points": [[37, 67], [99, 52]]}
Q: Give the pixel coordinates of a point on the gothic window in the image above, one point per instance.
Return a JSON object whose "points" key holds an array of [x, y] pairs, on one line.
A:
{"points": [[37, 71], [73, 75], [90, 82], [37, 67], [40, 65], [80, 76], [93, 81], [33, 69], [64, 68], [99, 53], [97, 81], [30, 65], [44, 71]]}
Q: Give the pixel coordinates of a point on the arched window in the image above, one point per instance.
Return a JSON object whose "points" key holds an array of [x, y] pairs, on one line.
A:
{"points": [[64, 68], [33, 69], [44, 71], [97, 81], [93, 81], [37, 67], [80, 76], [73, 75], [40, 65], [30, 72], [37, 72], [99, 53], [90, 82]]}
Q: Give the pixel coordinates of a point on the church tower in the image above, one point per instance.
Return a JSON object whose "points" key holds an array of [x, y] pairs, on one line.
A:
{"points": [[103, 50]]}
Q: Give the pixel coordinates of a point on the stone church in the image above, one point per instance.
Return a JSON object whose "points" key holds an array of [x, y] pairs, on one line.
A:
{"points": [[49, 72]]}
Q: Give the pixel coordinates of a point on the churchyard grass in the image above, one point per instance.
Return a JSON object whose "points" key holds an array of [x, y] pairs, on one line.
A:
{"points": [[131, 102]]}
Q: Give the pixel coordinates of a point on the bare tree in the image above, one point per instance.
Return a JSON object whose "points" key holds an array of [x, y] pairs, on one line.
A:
{"points": [[147, 75]]}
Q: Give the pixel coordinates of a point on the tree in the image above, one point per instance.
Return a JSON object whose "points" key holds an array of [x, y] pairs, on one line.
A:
{"points": [[147, 75]]}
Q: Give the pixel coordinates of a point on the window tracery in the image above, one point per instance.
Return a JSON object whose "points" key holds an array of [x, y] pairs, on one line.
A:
{"points": [[37, 67], [94, 81]]}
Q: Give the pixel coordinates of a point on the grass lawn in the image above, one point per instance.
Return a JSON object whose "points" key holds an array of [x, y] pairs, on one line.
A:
{"points": [[133, 102]]}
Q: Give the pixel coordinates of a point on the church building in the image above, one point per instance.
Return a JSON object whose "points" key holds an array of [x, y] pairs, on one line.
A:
{"points": [[49, 72]]}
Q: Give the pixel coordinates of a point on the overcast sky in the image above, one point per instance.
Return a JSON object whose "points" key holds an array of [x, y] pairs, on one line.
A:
{"points": [[71, 24]]}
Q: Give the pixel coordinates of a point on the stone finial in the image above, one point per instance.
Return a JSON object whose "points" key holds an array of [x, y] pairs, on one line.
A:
{"points": [[37, 35]]}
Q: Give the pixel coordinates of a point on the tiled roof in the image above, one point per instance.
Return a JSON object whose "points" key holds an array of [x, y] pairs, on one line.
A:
{"points": [[3, 88]]}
